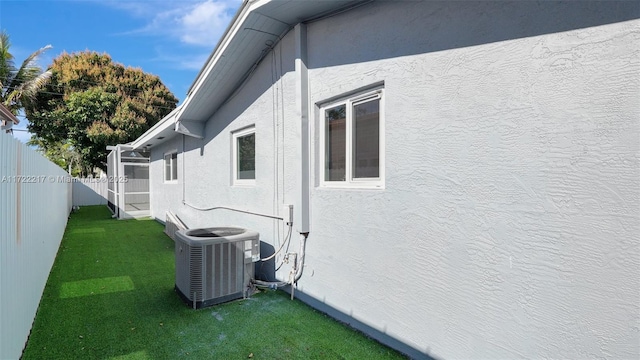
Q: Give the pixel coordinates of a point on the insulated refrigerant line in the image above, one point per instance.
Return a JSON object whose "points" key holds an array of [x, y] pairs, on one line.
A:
{"points": [[232, 209], [286, 241], [299, 267]]}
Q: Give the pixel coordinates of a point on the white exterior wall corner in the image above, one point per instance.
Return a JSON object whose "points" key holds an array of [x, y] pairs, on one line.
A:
{"points": [[507, 224]]}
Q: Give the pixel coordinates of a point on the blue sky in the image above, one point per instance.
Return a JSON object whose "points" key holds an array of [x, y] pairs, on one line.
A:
{"points": [[171, 39]]}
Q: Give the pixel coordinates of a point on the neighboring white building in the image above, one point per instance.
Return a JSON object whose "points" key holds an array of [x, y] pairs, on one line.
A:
{"points": [[7, 119], [468, 173]]}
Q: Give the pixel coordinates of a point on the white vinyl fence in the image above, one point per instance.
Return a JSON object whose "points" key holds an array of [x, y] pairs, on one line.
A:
{"points": [[35, 201], [90, 191]]}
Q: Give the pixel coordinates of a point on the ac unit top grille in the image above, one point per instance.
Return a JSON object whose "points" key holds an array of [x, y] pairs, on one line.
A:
{"points": [[216, 232]]}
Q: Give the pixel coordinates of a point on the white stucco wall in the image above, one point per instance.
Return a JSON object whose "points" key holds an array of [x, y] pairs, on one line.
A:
{"points": [[165, 196], [508, 223], [508, 226], [205, 170]]}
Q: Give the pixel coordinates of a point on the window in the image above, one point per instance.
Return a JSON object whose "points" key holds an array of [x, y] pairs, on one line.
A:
{"points": [[171, 167], [352, 142], [244, 156]]}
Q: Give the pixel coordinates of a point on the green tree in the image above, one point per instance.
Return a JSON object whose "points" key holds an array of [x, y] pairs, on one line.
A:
{"points": [[19, 86], [61, 154], [91, 102]]}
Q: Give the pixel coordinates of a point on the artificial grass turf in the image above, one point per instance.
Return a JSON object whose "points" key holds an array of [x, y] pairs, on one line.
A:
{"points": [[110, 296]]}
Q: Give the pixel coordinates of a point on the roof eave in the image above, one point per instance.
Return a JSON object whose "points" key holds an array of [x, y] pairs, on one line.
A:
{"points": [[7, 115], [166, 127], [234, 24], [152, 136]]}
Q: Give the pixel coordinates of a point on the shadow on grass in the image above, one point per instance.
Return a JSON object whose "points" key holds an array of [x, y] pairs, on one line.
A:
{"points": [[121, 305]]}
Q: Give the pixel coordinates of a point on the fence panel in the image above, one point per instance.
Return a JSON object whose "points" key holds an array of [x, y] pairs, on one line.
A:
{"points": [[35, 201], [90, 191]]}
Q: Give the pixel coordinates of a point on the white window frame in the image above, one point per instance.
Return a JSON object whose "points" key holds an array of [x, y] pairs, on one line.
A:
{"points": [[173, 164], [350, 181], [234, 156]]}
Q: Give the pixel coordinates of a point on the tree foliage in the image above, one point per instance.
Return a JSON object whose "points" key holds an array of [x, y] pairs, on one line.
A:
{"points": [[19, 86], [61, 154], [91, 102]]}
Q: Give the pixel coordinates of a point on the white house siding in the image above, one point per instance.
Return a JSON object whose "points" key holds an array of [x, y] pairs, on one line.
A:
{"points": [[507, 225], [164, 196], [207, 179]]}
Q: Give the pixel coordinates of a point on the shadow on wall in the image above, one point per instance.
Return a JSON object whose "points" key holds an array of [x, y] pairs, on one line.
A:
{"points": [[260, 83], [87, 192], [438, 25], [266, 270]]}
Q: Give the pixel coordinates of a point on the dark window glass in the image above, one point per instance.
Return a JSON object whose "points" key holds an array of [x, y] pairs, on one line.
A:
{"points": [[335, 144], [246, 157], [366, 139]]}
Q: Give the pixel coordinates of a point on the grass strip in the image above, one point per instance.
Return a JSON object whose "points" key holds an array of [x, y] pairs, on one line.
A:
{"points": [[110, 296]]}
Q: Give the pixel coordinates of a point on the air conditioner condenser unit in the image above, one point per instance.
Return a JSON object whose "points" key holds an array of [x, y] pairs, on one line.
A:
{"points": [[215, 265]]}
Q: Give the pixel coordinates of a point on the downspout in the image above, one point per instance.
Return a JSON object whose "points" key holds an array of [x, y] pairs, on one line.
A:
{"points": [[184, 178], [302, 108], [302, 211]]}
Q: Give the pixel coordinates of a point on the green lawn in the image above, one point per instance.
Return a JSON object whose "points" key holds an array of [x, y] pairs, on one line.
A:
{"points": [[110, 296]]}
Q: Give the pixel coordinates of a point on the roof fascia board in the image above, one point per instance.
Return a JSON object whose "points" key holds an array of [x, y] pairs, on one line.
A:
{"points": [[247, 7], [224, 41], [163, 124]]}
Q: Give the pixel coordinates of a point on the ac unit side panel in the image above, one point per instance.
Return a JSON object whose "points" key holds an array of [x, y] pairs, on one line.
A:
{"points": [[196, 272], [182, 261]]}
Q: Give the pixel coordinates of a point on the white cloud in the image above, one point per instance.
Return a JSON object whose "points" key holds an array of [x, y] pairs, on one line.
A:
{"points": [[204, 24], [193, 27], [197, 23]]}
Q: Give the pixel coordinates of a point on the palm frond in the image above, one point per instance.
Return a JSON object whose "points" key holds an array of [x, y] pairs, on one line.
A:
{"points": [[30, 89], [11, 99], [29, 68], [7, 66]]}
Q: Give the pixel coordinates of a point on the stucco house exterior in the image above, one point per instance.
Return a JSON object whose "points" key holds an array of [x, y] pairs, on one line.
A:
{"points": [[465, 174]]}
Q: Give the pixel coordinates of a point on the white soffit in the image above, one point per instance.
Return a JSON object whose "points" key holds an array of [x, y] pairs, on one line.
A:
{"points": [[256, 25], [161, 131]]}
